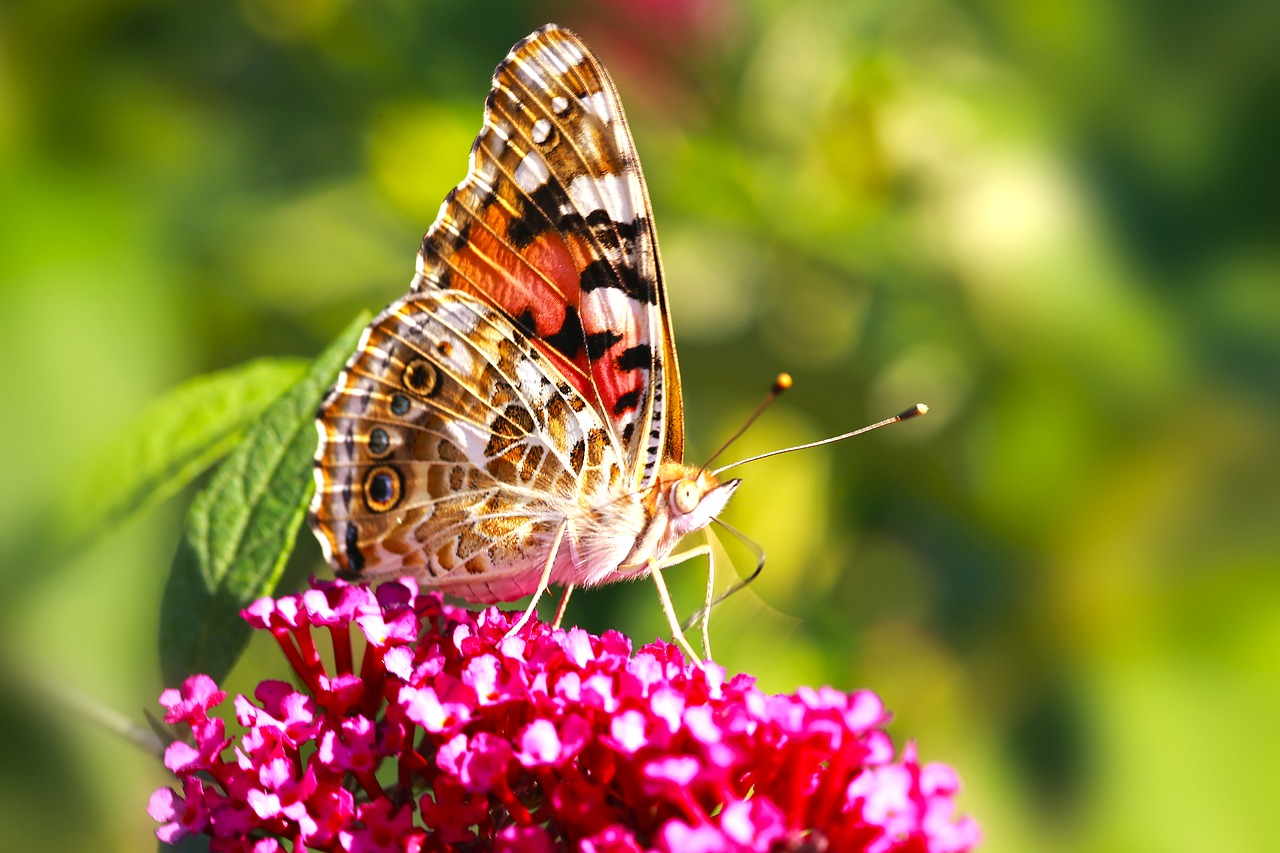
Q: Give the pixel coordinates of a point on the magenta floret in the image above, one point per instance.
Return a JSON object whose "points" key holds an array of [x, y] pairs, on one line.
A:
{"points": [[446, 735]]}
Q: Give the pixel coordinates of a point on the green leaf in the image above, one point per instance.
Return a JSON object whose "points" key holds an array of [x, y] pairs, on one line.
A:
{"points": [[242, 526], [175, 440]]}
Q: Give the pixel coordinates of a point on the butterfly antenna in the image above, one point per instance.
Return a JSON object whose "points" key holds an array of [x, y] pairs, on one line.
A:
{"points": [[741, 583], [782, 383], [907, 414]]}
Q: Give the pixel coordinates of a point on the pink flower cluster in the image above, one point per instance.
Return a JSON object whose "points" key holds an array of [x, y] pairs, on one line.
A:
{"points": [[447, 736]]}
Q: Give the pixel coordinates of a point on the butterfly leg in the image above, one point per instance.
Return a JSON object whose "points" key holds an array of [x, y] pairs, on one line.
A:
{"points": [[542, 581], [665, 598], [564, 603], [711, 588], [655, 569]]}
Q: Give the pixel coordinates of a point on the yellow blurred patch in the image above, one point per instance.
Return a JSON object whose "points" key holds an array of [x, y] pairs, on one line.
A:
{"points": [[418, 152], [291, 20]]}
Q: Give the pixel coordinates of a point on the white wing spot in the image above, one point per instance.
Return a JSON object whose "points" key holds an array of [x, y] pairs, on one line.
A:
{"points": [[529, 75], [559, 105], [448, 225], [532, 172], [611, 308], [531, 381], [614, 194], [541, 131], [598, 104], [467, 438], [484, 167], [456, 315], [573, 51], [552, 58]]}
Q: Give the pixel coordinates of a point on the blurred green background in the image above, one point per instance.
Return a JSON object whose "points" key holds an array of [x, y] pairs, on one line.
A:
{"points": [[1054, 221]]}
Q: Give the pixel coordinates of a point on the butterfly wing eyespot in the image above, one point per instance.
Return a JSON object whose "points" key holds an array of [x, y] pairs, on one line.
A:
{"points": [[379, 442], [421, 377], [383, 487]]}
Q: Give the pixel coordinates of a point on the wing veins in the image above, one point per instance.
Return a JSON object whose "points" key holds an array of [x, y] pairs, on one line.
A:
{"points": [[539, 105], [512, 382]]}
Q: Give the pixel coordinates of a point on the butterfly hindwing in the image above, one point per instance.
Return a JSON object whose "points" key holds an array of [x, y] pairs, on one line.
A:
{"points": [[553, 226], [450, 449]]}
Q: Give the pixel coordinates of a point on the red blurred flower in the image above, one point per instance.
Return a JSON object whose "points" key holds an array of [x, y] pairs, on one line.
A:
{"points": [[449, 736]]}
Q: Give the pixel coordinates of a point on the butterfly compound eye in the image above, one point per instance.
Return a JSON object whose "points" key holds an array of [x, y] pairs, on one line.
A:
{"points": [[685, 495]]}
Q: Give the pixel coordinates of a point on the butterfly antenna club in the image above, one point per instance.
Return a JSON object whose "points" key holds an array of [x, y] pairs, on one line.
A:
{"points": [[906, 414], [780, 384]]}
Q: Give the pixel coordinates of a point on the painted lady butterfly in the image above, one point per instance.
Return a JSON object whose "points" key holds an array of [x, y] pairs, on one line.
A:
{"points": [[516, 420]]}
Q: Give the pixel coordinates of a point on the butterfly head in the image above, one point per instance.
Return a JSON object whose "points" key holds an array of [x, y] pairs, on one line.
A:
{"points": [[694, 497]]}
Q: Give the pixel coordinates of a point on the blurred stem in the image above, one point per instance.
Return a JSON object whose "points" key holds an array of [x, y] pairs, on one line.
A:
{"points": [[80, 704]]}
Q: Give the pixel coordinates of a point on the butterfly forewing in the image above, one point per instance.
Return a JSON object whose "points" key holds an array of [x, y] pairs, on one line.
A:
{"points": [[553, 225]]}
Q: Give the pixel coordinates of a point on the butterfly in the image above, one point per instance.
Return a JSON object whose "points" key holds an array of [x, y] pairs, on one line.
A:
{"points": [[516, 421]]}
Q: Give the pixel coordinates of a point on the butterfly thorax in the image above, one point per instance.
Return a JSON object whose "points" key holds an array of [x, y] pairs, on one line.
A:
{"points": [[682, 500]]}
